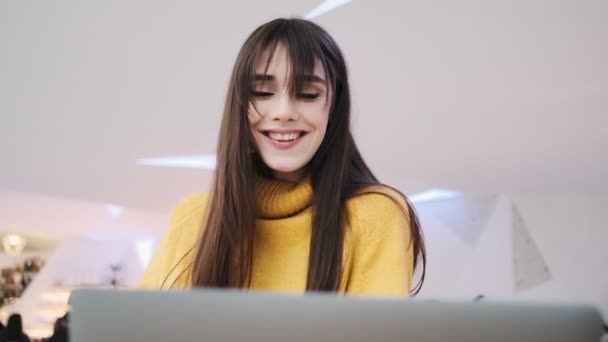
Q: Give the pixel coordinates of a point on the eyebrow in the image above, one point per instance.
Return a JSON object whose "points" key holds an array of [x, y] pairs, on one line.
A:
{"points": [[302, 78]]}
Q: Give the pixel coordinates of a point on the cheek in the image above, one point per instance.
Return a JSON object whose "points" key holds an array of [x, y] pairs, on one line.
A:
{"points": [[319, 117], [253, 116], [261, 107]]}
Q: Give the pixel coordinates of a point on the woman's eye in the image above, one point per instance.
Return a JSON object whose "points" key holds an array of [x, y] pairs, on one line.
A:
{"points": [[262, 93], [309, 96]]}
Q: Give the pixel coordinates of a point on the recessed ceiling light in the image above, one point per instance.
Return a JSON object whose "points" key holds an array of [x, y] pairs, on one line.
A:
{"points": [[433, 195], [13, 244], [325, 7], [114, 210], [205, 162], [14, 239]]}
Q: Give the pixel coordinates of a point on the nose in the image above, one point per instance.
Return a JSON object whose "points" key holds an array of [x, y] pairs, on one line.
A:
{"points": [[285, 108]]}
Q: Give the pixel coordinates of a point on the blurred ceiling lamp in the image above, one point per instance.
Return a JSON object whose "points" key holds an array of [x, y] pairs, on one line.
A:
{"points": [[13, 244], [324, 7], [433, 195], [205, 162]]}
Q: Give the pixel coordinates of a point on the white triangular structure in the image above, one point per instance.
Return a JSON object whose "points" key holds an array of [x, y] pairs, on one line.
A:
{"points": [[465, 217], [446, 253], [486, 269], [529, 266]]}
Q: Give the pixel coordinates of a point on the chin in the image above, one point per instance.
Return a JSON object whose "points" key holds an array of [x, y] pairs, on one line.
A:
{"points": [[284, 167]]}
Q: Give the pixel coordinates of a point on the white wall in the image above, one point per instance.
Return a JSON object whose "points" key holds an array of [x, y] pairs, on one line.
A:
{"points": [[569, 229], [572, 231], [65, 218]]}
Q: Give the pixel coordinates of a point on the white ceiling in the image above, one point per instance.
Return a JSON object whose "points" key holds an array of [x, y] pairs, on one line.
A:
{"points": [[476, 96]]}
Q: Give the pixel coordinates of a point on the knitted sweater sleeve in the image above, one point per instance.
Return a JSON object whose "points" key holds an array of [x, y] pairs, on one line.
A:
{"points": [[382, 255], [171, 263]]}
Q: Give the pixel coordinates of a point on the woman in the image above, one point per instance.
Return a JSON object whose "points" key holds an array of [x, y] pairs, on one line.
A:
{"points": [[293, 206], [60, 330], [14, 330]]}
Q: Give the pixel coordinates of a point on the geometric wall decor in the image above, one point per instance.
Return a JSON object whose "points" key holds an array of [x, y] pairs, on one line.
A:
{"points": [[465, 217], [530, 268]]}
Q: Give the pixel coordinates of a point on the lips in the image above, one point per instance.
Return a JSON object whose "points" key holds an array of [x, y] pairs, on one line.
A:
{"points": [[282, 139], [284, 136]]}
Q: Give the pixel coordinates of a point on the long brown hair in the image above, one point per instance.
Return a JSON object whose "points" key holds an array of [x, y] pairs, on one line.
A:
{"points": [[224, 252]]}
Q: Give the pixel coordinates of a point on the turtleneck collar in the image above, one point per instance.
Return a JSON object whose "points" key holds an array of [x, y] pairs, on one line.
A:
{"points": [[278, 199]]}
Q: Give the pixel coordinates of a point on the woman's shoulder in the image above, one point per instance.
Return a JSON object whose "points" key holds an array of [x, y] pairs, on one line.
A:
{"points": [[377, 207], [377, 199], [190, 207], [176, 248], [187, 218]]}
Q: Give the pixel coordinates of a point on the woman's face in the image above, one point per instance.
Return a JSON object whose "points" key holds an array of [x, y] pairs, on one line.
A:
{"points": [[288, 129]]}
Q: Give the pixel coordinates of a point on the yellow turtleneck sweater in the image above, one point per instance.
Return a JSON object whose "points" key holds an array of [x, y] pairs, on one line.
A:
{"points": [[378, 257]]}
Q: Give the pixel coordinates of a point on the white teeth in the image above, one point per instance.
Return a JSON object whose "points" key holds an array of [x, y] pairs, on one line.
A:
{"points": [[284, 137]]}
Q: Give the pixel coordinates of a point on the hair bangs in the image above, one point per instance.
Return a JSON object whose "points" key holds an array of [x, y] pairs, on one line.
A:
{"points": [[303, 53]]}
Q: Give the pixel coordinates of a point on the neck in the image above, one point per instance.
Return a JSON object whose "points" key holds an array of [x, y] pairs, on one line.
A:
{"points": [[278, 199], [292, 177]]}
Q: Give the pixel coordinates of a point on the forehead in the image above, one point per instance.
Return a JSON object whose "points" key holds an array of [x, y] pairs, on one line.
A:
{"points": [[280, 65]]}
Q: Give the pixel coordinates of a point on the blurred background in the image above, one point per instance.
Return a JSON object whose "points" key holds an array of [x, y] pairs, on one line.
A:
{"points": [[491, 115]]}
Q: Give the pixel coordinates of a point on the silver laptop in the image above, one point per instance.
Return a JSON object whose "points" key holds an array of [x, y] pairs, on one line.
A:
{"points": [[218, 315]]}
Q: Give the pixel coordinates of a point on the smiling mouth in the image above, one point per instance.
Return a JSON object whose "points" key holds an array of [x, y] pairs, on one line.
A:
{"points": [[284, 137]]}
